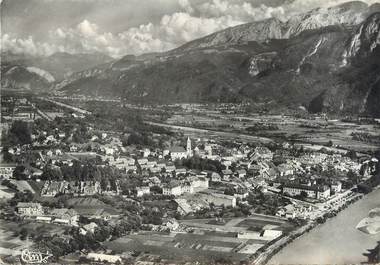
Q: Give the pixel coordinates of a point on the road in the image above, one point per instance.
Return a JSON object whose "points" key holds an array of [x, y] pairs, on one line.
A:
{"points": [[76, 109]]}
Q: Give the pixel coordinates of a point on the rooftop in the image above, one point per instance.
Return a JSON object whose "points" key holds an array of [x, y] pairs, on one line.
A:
{"points": [[177, 149]]}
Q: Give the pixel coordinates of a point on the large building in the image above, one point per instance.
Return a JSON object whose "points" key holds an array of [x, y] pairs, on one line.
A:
{"points": [[174, 188], [6, 170], [29, 208], [178, 152], [312, 191], [65, 216]]}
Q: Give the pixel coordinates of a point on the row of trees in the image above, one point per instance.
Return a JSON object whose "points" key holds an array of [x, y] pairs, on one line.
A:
{"points": [[199, 163], [20, 133], [87, 170]]}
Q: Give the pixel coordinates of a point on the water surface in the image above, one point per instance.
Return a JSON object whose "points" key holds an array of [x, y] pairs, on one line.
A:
{"points": [[337, 241]]}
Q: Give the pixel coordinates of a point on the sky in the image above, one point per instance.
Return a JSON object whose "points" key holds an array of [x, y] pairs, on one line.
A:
{"points": [[120, 27]]}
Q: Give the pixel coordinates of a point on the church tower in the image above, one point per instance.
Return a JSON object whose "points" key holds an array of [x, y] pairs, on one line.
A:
{"points": [[188, 147]]}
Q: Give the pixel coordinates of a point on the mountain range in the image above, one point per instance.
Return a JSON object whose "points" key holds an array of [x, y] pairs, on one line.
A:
{"points": [[327, 59]]}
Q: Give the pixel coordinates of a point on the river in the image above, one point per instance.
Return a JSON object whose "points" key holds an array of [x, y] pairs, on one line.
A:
{"points": [[336, 241]]}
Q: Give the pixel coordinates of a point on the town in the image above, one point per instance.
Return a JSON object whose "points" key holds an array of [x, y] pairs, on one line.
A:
{"points": [[85, 184]]}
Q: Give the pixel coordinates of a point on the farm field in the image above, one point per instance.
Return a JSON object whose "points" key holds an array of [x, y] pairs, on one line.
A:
{"points": [[11, 244], [315, 132], [232, 241]]}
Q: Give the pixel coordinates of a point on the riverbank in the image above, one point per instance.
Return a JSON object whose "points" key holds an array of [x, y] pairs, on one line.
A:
{"points": [[273, 249], [337, 241]]}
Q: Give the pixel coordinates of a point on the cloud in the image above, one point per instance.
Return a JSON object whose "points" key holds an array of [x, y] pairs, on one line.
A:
{"points": [[186, 20], [173, 30], [28, 46]]}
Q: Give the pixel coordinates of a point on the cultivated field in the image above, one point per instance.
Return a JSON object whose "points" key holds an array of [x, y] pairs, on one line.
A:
{"points": [[209, 241]]}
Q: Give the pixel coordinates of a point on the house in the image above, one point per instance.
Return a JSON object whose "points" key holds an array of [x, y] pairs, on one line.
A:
{"points": [[108, 150], [166, 152], [58, 152], [37, 173], [151, 163], [146, 152], [199, 182], [226, 174], [122, 162], [285, 170], [173, 188], [90, 187], [187, 188], [180, 171], [155, 170], [172, 224], [142, 161], [208, 150], [44, 219], [241, 173], [130, 168], [73, 148], [89, 228], [170, 168], [336, 186], [65, 216], [104, 257], [29, 208], [141, 191], [161, 164], [6, 170], [241, 193], [215, 177], [226, 163], [287, 211], [262, 153]]}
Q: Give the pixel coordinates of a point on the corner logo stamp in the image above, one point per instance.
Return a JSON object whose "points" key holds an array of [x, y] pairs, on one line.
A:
{"points": [[35, 256]]}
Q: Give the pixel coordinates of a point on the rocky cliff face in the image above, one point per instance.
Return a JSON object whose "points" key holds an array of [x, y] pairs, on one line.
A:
{"points": [[348, 14]]}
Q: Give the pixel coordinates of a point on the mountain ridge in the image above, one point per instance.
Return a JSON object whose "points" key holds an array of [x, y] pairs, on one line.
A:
{"points": [[330, 66]]}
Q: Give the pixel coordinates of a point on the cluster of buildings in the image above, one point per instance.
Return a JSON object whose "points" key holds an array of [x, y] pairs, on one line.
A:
{"points": [[58, 216], [76, 188], [16, 109], [189, 185], [86, 207]]}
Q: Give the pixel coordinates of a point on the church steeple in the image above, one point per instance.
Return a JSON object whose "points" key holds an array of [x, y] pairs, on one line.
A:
{"points": [[188, 147]]}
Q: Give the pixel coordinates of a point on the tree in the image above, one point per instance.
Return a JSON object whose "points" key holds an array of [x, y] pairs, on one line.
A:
{"points": [[19, 172], [303, 194], [23, 233], [6, 155], [229, 191], [352, 155], [22, 132]]}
